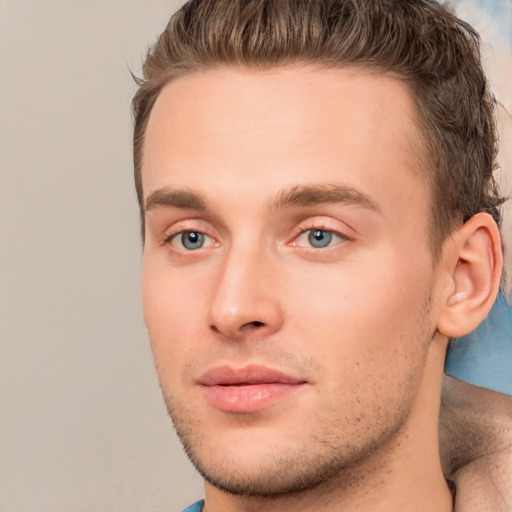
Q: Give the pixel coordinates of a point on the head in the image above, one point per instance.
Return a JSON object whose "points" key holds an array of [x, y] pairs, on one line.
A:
{"points": [[313, 192]]}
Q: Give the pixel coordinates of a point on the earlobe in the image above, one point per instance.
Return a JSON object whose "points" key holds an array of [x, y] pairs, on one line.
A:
{"points": [[472, 259]]}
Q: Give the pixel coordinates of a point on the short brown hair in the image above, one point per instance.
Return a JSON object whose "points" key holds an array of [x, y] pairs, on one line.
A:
{"points": [[417, 41]]}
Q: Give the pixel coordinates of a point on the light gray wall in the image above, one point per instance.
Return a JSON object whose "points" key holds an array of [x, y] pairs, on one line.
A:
{"points": [[82, 423]]}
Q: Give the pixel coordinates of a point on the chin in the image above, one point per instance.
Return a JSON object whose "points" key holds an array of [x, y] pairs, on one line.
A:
{"points": [[285, 475], [278, 470]]}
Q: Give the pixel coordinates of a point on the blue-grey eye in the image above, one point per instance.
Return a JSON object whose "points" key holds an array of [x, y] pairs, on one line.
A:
{"points": [[192, 240], [319, 238]]}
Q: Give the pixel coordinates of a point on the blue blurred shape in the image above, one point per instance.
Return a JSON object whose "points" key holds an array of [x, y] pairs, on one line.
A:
{"points": [[484, 357]]}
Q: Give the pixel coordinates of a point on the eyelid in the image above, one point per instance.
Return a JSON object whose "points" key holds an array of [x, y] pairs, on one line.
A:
{"points": [[303, 242], [193, 225], [324, 224], [176, 236]]}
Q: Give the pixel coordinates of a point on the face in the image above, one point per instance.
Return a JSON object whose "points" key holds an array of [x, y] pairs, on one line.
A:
{"points": [[287, 274]]}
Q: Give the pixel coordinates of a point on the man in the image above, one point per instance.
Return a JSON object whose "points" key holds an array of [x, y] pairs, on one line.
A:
{"points": [[319, 219]]}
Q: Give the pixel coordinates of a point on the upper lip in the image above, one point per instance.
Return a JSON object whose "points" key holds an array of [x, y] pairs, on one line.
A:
{"points": [[249, 374]]}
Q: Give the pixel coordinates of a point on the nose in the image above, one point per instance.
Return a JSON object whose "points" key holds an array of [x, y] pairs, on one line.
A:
{"points": [[246, 301]]}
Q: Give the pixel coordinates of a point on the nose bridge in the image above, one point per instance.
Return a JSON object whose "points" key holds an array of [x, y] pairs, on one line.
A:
{"points": [[244, 299]]}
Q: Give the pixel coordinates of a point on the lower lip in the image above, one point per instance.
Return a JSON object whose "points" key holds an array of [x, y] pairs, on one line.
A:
{"points": [[248, 398]]}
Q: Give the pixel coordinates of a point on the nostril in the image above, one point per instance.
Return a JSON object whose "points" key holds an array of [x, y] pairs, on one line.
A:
{"points": [[245, 327], [253, 325]]}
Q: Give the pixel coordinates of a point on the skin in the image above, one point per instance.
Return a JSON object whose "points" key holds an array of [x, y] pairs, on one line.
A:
{"points": [[362, 324], [476, 444]]}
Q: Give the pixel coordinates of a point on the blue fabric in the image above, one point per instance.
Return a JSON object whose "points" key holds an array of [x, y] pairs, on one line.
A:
{"points": [[196, 507], [484, 357]]}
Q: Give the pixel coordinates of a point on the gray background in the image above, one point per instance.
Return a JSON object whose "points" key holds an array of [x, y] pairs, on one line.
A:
{"points": [[82, 423]]}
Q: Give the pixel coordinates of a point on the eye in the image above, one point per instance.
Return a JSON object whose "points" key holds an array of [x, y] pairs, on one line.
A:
{"points": [[190, 240], [319, 238]]}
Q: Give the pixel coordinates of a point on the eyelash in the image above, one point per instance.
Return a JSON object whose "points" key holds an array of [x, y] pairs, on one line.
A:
{"points": [[302, 230], [173, 236], [313, 227]]}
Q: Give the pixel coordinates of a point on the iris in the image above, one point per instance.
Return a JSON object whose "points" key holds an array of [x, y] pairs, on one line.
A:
{"points": [[192, 240], [319, 238]]}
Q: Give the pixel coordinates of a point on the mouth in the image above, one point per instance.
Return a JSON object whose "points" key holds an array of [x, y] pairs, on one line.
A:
{"points": [[247, 389]]}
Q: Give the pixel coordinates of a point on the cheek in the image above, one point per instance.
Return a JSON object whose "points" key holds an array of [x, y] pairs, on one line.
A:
{"points": [[357, 313], [370, 343], [172, 309]]}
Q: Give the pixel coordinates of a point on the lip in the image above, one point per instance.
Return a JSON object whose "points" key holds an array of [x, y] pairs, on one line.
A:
{"points": [[247, 389]]}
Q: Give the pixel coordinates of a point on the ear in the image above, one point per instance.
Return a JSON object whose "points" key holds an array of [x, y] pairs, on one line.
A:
{"points": [[472, 262]]}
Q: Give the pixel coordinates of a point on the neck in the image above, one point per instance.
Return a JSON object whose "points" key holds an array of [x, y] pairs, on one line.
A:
{"points": [[404, 474]]}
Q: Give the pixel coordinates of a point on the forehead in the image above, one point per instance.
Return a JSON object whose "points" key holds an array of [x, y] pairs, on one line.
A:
{"points": [[228, 130]]}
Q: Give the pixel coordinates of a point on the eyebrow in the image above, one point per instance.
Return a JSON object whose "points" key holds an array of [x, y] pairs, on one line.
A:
{"points": [[299, 195], [184, 199], [323, 194]]}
